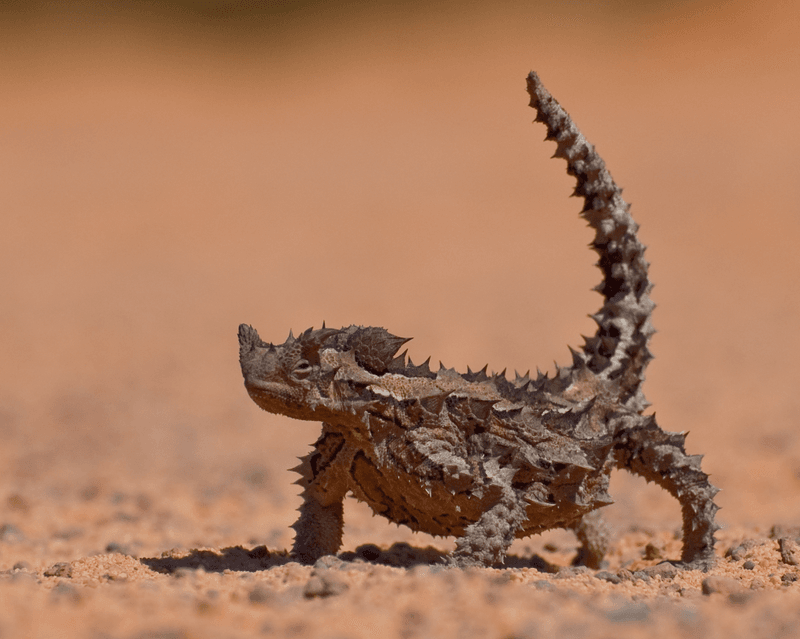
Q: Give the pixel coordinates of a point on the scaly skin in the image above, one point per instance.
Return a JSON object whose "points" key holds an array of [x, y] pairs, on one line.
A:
{"points": [[476, 456]]}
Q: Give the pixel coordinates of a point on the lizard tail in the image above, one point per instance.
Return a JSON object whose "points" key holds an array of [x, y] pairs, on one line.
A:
{"points": [[618, 351]]}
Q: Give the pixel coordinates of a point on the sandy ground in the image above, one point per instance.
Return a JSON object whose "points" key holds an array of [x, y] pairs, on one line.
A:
{"points": [[170, 174]]}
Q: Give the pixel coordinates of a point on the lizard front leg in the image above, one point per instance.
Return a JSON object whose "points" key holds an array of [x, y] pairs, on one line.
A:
{"points": [[318, 530], [641, 447], [486, 541]]}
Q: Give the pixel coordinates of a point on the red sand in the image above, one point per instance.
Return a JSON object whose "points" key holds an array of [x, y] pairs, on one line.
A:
{"points": [[163, 182]]}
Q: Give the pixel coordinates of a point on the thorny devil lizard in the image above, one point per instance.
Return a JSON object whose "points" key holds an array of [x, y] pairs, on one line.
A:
{"points": [[477, 456]]}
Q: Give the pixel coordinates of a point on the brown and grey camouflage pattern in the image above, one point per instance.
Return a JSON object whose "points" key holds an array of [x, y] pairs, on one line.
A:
{"points": [[478, 456]]}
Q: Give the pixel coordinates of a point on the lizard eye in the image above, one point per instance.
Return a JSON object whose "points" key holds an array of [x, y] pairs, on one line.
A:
{"points": [[302, 369]]}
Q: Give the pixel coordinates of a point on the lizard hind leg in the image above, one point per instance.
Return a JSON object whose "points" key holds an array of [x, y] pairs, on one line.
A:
{"points": [[641, 447], [594, 535]]}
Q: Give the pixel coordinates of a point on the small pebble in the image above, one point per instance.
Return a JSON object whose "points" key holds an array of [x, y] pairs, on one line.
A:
{"points": [[61, 569], [790, 552], [757, 584], [327, 561], [324, 584], [665, 570], [625, 575], [571, 571], [608, 576], [716, 584], [738, 552]]}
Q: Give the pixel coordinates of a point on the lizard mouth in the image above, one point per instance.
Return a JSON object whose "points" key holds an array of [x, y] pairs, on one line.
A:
{"points": [[261, 390], [274, 397]]}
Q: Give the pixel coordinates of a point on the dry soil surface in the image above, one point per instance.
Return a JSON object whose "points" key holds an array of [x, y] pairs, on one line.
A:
{"points": [[169, 174]]}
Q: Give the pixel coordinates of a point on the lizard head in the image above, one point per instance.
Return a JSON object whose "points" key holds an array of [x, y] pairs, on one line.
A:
{"points": [[284, 378], [315, 374]]}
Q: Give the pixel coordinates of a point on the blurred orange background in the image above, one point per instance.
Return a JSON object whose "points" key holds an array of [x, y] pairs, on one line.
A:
{"points": [[170, 170]]}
